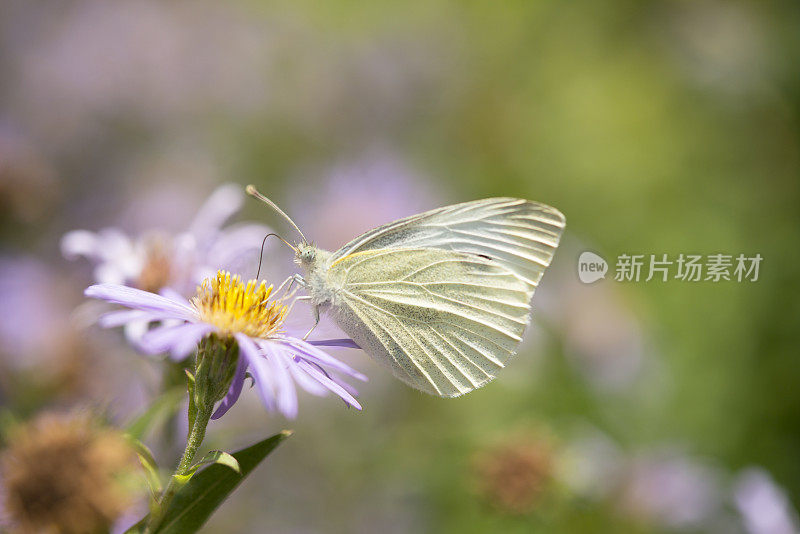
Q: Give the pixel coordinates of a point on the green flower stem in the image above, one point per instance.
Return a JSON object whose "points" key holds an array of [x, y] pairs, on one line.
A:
{"points": [[173, 376], [215, 365], [196, 436]]}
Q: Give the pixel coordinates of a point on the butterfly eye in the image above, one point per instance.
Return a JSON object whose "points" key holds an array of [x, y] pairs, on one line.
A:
{"points": [[308, 254]]}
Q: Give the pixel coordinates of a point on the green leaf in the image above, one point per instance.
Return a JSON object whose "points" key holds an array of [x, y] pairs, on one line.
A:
{"points": [[149, 464], [196, 501], [162, 408], [218, 457]]}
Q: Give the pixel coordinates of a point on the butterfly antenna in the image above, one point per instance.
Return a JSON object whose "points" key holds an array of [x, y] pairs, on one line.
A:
{"points": [[261, 254], [251, 190]]}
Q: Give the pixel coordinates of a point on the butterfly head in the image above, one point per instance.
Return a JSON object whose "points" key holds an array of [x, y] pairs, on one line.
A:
{"points": [[306, 254]]}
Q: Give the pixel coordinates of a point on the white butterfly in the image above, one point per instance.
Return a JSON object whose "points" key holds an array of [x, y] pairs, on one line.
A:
{"points": [[442, 298]]}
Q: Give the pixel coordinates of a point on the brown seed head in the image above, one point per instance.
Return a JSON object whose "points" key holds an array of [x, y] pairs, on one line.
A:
{"points": [[65, 474]]}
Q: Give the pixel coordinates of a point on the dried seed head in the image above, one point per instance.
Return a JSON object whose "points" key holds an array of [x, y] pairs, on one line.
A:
{"points": [[66, 474]]}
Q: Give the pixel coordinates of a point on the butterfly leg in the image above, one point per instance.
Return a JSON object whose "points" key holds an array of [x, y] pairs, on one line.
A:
{"points": [[316, 322], [292, 280], [291, 305], [283, 284]]}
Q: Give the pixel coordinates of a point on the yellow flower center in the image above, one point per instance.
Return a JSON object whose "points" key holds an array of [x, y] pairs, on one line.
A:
{"points": [[234, 306]]}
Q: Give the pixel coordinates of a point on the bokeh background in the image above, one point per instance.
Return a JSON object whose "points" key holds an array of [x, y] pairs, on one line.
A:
{"points": [[654, 126]]}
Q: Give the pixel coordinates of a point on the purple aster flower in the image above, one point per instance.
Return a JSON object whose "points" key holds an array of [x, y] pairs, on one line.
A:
{"points": [[672, 489], [157, 260], [242, 314]]}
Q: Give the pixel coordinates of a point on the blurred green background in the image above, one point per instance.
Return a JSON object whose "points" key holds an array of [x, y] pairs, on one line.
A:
{"points": [[654, 126]]}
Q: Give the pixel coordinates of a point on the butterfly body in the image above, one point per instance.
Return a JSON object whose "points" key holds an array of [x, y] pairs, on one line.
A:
{"points": [[321, 286], [441, 298]]}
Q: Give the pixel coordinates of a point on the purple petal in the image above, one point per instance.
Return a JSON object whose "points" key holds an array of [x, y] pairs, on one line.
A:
{"points": [[171, 294], [302, 378], [141, 300], [111, 273], [260, 369], [188, 343], [306, 382], [347, 387], [350, 389], [121, 317], [79, 243], [234, 242], [234, 391], [108, 245], [179, 341], [320, 357], [320, 377], [345, 343], [226, 200], [134, 330], [286, 392]]}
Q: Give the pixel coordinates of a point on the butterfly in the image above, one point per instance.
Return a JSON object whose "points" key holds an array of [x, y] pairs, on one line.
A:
{"points": [[441, 298]]}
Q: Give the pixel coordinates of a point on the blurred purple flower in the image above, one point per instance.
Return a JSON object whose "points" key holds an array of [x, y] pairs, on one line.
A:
{"points": [[156, 260], [672, 490], [764, 506], [232, 309]]}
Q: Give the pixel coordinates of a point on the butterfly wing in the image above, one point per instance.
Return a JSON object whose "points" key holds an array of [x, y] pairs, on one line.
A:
{"points": [[444, 322], [520, 235]]}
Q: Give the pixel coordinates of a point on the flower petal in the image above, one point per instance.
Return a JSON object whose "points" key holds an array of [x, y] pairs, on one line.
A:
{"points": [[312, 353], [179, 341], [306, 382], [286, 392], [320, 377], [192, 336], [344, 343], [122, 317], [171, 294], [110, 273], [347, 387], [234, 391], [79, 243], [261, 371], [141, 300], [238, 239], [226, 200], [134, 330]]}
